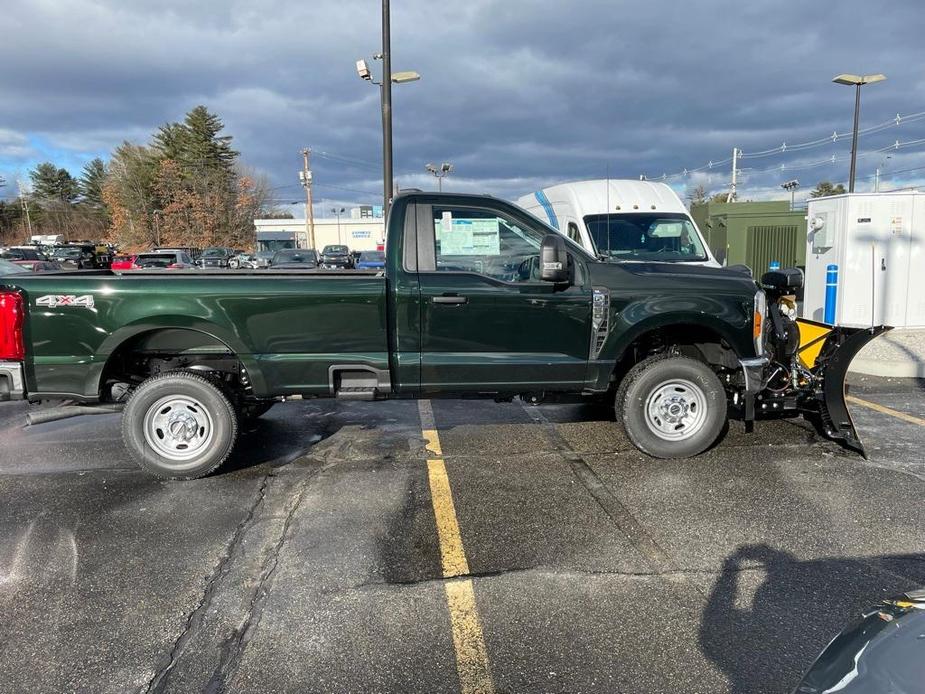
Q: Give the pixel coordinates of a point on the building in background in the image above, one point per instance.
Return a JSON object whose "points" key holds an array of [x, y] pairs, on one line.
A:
{"points": [[753, 233], [360, 233]]}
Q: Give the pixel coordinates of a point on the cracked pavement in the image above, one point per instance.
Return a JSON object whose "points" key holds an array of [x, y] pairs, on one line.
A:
{"points": [[312, 563]]}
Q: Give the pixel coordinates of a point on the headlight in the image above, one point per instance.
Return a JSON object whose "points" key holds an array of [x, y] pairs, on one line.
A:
{"points": [[761, 310]]}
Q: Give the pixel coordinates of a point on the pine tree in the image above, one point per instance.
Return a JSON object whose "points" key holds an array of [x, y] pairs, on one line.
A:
{"points": [[91, 183], [825, 188], [53, 184]]}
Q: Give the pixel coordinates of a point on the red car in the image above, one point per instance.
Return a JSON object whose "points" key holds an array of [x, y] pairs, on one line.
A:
{"points": [[38, 265], [152, 261]]}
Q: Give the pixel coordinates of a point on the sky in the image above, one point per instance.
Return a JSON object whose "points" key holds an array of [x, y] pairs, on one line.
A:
{"points": [[517, 94]]}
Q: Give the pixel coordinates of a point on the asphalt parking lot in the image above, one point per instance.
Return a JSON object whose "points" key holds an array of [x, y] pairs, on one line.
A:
{"points": [[451, 546]]}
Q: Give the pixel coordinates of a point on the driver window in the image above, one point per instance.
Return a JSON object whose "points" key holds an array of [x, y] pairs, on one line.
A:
{"points": [[474, 240]]}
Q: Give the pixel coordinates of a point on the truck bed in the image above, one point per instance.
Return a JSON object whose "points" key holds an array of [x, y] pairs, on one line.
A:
{"points": [[287, 327]]}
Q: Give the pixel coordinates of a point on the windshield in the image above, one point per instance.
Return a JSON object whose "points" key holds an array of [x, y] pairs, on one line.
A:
{"points": [[660, 237], [156, 260], [214, 252], [335, 250], [294, 255]]}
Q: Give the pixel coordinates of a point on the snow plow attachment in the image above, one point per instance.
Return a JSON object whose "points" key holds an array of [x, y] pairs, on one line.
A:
{"points": [[827, 352]]}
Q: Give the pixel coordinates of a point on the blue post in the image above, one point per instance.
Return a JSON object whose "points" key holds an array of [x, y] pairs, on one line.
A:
{"points": [[831, 293], [774, 265]]}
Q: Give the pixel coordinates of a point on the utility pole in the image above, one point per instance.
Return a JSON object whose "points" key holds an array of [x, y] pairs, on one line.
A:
{"points": [[386, 88], [306, 179], [25, 209], [735, 161]]}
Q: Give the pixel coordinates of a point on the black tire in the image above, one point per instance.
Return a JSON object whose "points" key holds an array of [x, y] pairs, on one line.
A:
{"points": [[671, 406], [255, 410], [204, 420]]}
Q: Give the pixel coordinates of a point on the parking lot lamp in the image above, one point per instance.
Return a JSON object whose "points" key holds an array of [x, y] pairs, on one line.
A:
{"points": [[858, 81], [385, 97], [440, 172], [337, 213]]}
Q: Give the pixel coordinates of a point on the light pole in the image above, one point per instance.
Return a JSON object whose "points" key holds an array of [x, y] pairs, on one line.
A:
{"points": [[157, 227], [858, 81], [385, 97], [440, 173], [791, 187], [337, 213]]}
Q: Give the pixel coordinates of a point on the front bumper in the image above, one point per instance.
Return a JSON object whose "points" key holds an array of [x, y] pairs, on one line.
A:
{"points": [[12, 384]]}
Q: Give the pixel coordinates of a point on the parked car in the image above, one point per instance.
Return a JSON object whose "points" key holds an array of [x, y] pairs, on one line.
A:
{"points": [[622, 220], [882, 651], [39, 265], [10, 268], [83, 256], [247, 261], [371, 260], [191, 251], [238, 260], [336, 257], [23, 253], [122, 262], [216, 257], [295, 259], [263, 259], [166, 260]]}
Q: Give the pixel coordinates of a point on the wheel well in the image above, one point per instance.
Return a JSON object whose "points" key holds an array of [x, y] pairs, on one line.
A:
{"points": [[691, 340], [172, 349]]}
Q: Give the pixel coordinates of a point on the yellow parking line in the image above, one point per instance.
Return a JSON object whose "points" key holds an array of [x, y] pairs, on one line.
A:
{"points": [[468, 640], [451, 547], [886, 410]]}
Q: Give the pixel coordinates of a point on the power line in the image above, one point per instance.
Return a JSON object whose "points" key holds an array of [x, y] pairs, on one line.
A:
{"points": [[785, 148]]}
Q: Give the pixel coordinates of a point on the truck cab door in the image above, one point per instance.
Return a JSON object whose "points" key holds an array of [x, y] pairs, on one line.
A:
{"points": [[488, 323]]}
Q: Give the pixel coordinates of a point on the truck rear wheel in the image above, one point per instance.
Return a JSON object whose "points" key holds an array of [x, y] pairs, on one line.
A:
{"points": [[179, 426], [671, 406]]}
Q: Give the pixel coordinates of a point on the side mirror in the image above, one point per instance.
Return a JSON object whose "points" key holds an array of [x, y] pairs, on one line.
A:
{"points": [[554, 259]]}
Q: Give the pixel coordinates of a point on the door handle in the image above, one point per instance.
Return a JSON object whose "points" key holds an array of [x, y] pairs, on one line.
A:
{"points": [[450, 299]]}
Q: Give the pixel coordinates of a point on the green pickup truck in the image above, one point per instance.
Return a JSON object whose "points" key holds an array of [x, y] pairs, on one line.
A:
{"points": [[478, 299]]}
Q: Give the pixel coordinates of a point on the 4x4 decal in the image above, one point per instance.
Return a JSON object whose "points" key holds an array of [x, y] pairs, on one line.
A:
{"points": [[56, 300]]}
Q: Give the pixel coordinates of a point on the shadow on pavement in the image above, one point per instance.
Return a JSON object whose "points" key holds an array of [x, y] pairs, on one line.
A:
{"points": [[770, 614]]}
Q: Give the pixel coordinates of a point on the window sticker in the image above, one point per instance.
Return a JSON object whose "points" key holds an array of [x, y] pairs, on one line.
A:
{"points": [[469, 236]]}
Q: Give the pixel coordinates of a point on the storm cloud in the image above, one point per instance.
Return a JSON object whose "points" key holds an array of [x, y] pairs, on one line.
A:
{"points": [[515, 93]]}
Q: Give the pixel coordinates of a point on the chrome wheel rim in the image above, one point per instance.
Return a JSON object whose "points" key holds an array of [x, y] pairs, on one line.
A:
{"points": [[676, 410], [178, 428]]}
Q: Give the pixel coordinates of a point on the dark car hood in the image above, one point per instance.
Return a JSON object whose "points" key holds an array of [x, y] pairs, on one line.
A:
{"points": [[680, 275]]}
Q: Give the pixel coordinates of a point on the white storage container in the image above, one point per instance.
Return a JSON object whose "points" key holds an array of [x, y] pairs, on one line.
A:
{"points": [[876, 240]]}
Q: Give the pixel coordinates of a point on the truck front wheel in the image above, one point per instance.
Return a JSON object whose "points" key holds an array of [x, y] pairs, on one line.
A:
{"points": [[671, 406], [179, 426]]}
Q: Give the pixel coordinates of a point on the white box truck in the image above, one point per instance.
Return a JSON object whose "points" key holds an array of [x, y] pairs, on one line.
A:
{"points": [[876, 242], [622, 220]]}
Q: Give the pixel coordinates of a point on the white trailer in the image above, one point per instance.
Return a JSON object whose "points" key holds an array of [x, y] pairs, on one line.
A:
{"points": [[876, 241]]}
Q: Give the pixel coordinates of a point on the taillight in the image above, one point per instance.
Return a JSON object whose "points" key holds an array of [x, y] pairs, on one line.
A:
{"points": [[11, 318]]}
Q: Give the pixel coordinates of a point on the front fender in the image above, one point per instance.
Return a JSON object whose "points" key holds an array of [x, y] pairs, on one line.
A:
{"points": [[726, 318]]}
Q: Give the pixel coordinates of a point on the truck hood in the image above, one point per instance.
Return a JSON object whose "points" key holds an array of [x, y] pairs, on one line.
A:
{"points": [[701, 278]]}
